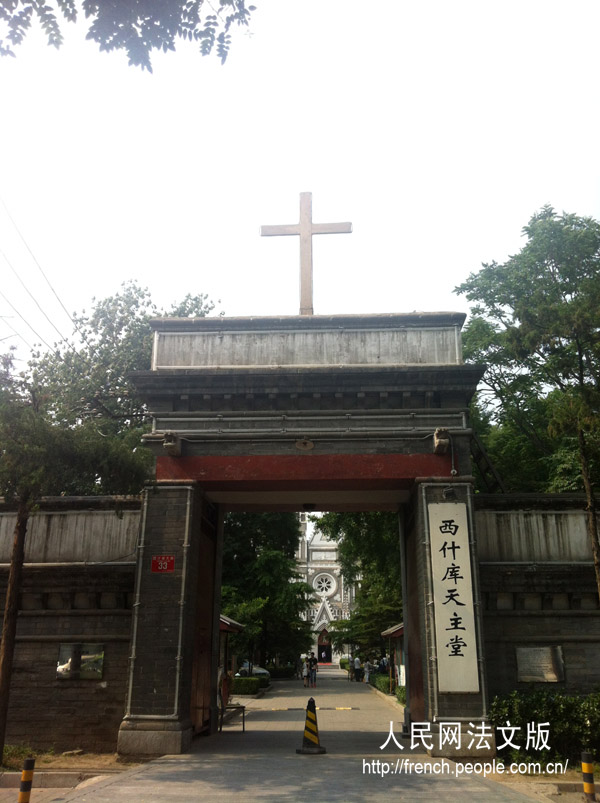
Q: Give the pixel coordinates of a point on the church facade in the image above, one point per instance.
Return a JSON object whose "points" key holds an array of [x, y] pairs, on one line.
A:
{"points": [[319, 567]]}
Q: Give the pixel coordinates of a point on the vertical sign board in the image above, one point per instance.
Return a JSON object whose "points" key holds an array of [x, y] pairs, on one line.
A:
{"points": [[457, 664]]}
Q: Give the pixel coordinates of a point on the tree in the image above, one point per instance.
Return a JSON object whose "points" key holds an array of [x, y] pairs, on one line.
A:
{"points": [[261, 586], [40, 457], [369, 555], [93, 381], [537, 324], [509, 415], [136, 26], [72, 424]]}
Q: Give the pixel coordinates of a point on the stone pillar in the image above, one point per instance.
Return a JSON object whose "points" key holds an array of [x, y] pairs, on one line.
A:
{"points": [[444, 615], [157, 712]]}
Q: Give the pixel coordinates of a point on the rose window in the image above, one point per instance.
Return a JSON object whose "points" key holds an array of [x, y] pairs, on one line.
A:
{"points": [[324, 584]]}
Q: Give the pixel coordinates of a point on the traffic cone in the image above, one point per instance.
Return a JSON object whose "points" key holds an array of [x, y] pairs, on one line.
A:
{"points": [[310, 742]]}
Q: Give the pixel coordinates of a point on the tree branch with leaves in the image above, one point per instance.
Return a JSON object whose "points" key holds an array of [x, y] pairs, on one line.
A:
{"points": [[536, 322], [41, 457], [136, 26], [369, 556]]}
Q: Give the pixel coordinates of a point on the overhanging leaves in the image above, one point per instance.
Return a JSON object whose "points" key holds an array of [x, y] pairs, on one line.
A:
{"points": [[136, 26]]}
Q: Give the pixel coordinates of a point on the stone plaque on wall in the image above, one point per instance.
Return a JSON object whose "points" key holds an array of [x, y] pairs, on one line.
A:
{"points": [[330, 556], [540, 664], [455, 637]]}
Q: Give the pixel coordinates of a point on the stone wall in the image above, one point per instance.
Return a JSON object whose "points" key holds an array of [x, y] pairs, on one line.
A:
{"points": [[539, 588], [537, 585], [76, 529], [394, 339], [66, 606], [77, 589]]}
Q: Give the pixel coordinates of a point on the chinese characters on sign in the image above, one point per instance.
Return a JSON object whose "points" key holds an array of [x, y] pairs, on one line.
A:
{"points": [[481, 736], [453, 598]]}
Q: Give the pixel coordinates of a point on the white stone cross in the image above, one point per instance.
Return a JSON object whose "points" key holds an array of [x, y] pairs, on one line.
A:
{"points": [[306, 228]]}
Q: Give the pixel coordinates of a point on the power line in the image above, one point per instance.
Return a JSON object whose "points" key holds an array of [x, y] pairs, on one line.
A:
{"points": [[18, 334], [12, 306], [26, 244], [70, 346], [30, 294], [67, 313]]}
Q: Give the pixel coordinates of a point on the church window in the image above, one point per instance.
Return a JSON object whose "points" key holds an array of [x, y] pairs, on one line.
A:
{"points": [[324, 584]]}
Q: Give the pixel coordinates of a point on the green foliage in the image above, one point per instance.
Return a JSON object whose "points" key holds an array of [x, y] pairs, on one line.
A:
{"points": [[15, 755], [574, 722], [261, 587], [520, 449], [281, 672], [248, 612], [92, 382], [344, 663], [564, 467], [39, 457], [364, 540], [42, 457], [382, 682], [245, 686], [136, 26], [401, 694], [535, 324], [71, 427], [378, 605], [49, 445], [369, 554], [85, 393]]}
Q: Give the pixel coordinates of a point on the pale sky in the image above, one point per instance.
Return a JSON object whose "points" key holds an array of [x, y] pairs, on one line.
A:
{"points": [[437, 128]]}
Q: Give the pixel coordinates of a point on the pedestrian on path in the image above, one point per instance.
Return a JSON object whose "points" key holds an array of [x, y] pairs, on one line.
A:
{"points": [[305, 672], [314, 668]]}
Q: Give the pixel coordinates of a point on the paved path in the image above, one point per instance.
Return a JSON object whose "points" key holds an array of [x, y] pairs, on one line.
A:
{"points": [[262, 763]]}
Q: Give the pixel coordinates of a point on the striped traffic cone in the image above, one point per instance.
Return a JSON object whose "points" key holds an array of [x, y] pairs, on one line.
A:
{"points": [[310, 742]]}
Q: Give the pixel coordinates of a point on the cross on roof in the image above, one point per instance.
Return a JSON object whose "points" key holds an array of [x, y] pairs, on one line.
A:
{"points": [[305, 229]]}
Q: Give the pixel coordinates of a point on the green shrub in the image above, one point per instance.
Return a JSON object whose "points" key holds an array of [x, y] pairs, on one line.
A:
{"points": [[263, 681], [573, 723], [344, 663], [281, 671], [591, 715], [382, 682], [245, 686], [401, 694], [15, 755]]}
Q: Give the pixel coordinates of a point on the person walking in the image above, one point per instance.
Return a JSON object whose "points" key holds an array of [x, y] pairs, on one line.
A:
{"points": [[357, 670], [305, 672], [313, 664]]}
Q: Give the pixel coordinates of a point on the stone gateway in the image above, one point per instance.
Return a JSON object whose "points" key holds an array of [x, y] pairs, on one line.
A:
{"points": [[118, 631], [352, 412]]}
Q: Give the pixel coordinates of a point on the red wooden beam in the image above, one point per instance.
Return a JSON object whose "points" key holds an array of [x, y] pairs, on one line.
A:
{"points": [[288, 472]]}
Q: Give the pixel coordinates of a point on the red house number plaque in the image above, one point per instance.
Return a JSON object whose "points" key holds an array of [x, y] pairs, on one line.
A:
{"points": [[161, 564]]}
